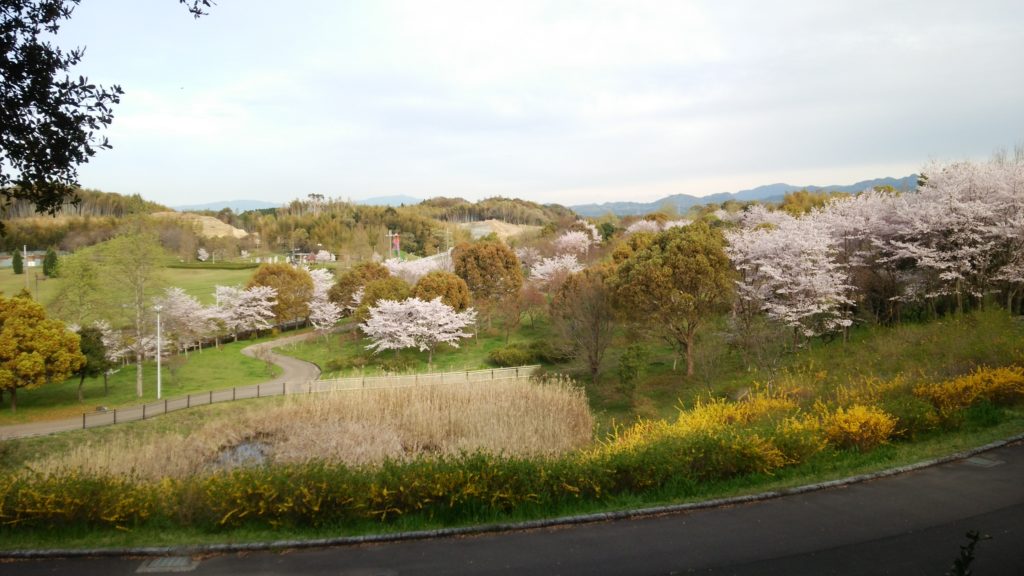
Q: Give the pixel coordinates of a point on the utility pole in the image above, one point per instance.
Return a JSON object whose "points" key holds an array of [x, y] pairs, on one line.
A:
{"points": [[158, 308], [24, 254]]}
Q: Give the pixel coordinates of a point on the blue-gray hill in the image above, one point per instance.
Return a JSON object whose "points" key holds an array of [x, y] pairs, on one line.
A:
{"points": [[767, 193]]}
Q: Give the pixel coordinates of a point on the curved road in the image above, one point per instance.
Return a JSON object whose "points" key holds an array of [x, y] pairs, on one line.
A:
{"points": [[907, 524], [292, 370]]}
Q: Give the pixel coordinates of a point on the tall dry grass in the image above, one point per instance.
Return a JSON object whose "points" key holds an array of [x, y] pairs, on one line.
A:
{"points": [[359, 427]]}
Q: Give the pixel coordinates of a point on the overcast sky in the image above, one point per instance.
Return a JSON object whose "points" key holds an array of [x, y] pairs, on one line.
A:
{"points": [[562, 101]]}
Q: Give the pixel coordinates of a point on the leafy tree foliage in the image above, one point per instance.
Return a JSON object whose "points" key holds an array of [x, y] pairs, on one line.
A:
{"points": [[49, 120], [50, 263], [491, 270], [97, 361], [34, 350], [389, 288], [351, 282], [294, 288], [583, 312], [130, 275], [451, 289], [48, 124], [676, 283]]}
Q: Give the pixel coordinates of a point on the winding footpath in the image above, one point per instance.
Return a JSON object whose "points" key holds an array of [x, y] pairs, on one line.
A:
{"points": [[292, 370]]}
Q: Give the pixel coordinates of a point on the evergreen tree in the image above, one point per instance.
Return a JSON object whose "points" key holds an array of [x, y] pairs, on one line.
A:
{"points": [[18, 263], [50, 263]]}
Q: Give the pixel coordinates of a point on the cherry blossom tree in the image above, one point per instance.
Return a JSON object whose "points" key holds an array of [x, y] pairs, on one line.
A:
{"points": [[550, 272], [323, 313], [791, 273], [415, 323], [184, 321], [644, 226], [412, 270], [575, 242], [247, 310]]}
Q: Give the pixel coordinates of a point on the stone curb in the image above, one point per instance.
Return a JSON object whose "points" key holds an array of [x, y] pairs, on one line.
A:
{"points": [[507, 527]]}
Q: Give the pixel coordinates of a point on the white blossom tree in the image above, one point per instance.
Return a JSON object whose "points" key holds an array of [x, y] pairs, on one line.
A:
{"points": [[575, 242], [247, 310], [412, 270], [184, 321], [549, 271], [323, 314], [415, 323], [792, 273], [643, 226]]}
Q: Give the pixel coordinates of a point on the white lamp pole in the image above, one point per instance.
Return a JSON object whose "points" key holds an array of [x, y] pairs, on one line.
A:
{"points": [[158, 308]]}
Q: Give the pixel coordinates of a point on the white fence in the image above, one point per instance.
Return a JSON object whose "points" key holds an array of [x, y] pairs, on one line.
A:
{"points": [[144, 411]]}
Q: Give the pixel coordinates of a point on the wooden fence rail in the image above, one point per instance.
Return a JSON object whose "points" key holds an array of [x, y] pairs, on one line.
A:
{"points": [[148, 410]]}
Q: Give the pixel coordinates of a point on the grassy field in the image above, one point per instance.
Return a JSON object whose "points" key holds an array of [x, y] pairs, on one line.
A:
{"points": [[349, 351], [210, 369], [197, 282]]}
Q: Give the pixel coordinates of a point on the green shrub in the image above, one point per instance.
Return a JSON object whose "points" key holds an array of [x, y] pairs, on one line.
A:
{"points": [[513, 355], [913, 415], [632, 365], [396, 364], [545, 351]]}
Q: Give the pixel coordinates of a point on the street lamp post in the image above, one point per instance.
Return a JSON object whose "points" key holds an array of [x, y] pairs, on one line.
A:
{"points": [[158, 308]]}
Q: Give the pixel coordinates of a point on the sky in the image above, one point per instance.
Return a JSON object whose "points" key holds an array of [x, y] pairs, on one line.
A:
{"points": [[559, 101]]}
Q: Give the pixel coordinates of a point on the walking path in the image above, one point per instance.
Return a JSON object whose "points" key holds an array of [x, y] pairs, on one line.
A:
{"points": [[292, 370]]}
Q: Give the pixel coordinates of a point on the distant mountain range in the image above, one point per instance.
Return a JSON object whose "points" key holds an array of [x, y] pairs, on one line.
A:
{"points": [[388, 201], [766, 193], [237, 206]]}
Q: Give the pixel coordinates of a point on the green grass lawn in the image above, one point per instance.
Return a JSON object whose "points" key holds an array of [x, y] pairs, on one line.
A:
{"points": [[201, 283], [210, 369], [196, 282], [344, 348]]}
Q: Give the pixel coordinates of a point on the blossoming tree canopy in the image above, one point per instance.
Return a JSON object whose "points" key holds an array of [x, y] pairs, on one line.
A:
{"points": [[415, 323]]}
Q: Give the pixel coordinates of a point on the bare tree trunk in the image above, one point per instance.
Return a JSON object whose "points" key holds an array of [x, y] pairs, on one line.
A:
{"points": [[81, 382], [14, 400]]}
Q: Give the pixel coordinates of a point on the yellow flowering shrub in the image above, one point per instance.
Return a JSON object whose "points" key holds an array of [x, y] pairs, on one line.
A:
{"points": [[858, 426], [1000, 386]]}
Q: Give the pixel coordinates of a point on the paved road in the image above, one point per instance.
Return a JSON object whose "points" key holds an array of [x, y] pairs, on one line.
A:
{"points": [[911, 524], [293, 370]]}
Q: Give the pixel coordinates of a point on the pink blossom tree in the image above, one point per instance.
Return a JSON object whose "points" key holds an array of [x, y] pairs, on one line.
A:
{"points": [[247, 310], [415, 323]]}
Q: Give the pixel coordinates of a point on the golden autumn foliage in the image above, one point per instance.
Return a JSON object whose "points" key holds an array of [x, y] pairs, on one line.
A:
{"points": [[34, 349]]}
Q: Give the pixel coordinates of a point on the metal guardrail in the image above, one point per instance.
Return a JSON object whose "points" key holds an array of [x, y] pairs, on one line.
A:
{"points": [[151, 409]]}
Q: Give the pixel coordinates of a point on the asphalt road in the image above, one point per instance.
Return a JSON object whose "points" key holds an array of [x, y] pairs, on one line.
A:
{"points": [[910, 524]]}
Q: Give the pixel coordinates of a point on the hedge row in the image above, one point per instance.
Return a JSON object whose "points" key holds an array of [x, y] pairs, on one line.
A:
{"points": [[715, 440]]}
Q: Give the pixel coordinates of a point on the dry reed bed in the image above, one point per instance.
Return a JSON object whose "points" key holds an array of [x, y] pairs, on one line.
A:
{"points": [[514, 417]]}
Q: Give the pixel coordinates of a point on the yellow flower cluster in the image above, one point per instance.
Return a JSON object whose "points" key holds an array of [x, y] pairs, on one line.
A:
{"points": [[999, 386]]}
